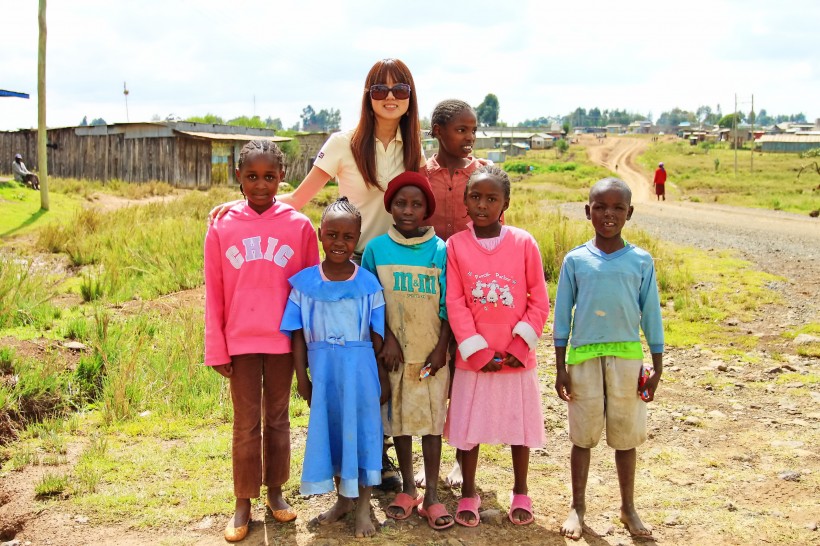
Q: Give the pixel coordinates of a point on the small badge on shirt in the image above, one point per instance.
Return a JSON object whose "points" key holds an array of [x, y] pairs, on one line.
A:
{"points": [[321, 155]]}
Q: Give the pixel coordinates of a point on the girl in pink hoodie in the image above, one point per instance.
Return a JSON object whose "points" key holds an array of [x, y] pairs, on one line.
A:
{"points": [[249, 255]]}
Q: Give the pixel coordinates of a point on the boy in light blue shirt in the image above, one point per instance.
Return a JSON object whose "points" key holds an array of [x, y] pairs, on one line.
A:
{"points": [[610, 285]]}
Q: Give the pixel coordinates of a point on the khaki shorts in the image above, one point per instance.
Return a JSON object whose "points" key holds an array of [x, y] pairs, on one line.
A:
{"points": [[605, 389]]}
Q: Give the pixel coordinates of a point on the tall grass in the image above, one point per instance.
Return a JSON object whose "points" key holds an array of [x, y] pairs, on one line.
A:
{"points": [[140, 251], [25, 294]]}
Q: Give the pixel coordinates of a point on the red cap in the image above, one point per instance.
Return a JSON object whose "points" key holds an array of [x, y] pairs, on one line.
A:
{"points": [[410, 178]]}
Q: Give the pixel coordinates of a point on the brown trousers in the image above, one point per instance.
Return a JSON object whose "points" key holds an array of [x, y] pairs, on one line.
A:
{"points": [[260, 390]]}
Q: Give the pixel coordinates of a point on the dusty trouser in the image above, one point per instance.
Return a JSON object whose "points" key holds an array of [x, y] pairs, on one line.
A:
{"points": [[260, 390]]}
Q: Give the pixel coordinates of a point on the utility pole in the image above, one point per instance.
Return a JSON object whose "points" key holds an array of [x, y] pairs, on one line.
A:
{"points": [[752, 156], [125, 92], [734, 133], [42, 130]]}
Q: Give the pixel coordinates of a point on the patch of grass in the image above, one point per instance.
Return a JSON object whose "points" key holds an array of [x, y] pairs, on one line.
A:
{"points": [[773, 184], [807, 379], [51, 485], [22, 212], [7, 355], [24, 295]]}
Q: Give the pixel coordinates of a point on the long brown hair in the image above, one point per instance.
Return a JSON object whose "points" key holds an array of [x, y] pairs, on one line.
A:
{"points": [[363, 140]]}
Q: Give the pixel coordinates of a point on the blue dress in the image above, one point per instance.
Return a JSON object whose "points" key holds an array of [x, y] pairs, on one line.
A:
{"points": [[345, 429]]}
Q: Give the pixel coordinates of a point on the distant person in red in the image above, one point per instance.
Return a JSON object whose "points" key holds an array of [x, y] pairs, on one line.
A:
{"points": [[660, 182]]}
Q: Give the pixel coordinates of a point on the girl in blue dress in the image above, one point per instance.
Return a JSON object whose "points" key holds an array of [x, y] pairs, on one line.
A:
{"points": [[335, 314]]}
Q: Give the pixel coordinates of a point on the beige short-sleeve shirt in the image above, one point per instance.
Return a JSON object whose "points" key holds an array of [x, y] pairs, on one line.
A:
{"points": [[336, 159]]}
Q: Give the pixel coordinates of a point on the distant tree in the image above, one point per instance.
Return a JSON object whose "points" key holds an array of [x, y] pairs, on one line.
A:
{"points": [[273, 123], [84, 122], [425, 123], [98, 121], [561, 146], [798, 118], [763, 118], [565, 127], [579, 118], [703, 112], [488, 110], [156, 117], [594, 117], [537, 122], [751, 118], [211, 119], [731, 120], [308, 117], [675, 117], [324, 120], [295, 127], [244, 121]]}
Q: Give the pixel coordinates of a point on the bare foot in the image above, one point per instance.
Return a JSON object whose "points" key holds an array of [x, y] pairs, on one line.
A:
{"points": [[420, 479], [342, 506], [634, 525], [364, 525], [454, 478], [573, 527]]}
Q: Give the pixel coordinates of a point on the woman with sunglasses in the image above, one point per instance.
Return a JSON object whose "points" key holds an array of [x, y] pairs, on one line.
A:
{"points": [[385, 143]]}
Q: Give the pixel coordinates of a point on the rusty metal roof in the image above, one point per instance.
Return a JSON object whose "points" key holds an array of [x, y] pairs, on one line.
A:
{"points": [[225, 136]]}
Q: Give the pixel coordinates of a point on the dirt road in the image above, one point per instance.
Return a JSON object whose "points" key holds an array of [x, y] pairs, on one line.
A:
{"points": [[777, 242]]}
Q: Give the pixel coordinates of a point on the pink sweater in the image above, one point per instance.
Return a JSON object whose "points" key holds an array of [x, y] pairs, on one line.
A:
{"points": [[249, 258], [496, 299]]}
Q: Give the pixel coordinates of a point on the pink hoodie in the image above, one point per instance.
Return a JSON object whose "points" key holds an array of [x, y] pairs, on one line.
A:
{"points": [[249, 258]]}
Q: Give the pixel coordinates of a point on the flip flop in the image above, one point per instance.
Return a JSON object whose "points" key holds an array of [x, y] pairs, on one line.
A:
{"points": [[521, 502], [471, 505], [435, 512], [406, 503]]}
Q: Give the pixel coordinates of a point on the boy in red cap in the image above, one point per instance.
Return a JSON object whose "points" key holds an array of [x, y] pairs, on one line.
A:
{"points": [[409, 261]]}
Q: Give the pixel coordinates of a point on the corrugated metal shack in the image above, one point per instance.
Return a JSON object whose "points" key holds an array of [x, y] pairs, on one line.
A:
{"points": [[794, 143], [184, 154]]}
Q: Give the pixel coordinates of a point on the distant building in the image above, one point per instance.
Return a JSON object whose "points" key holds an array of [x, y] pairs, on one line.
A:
{"points": [[184, 154], [793, 142], [641, 127]]}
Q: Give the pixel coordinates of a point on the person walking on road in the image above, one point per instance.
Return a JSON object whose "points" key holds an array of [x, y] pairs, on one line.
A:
{"points": [[660, 182]]}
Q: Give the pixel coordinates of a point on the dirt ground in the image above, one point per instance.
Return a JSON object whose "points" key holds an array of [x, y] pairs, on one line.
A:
{"points": [[733, 452]]}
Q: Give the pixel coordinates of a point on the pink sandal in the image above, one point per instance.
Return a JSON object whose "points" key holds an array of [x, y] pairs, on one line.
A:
{"points": [[471, 505], [521, 502], [406, 503], [435, 512]]}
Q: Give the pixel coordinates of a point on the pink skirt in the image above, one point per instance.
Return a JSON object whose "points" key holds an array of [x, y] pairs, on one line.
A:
{"points": [[495, 408]]}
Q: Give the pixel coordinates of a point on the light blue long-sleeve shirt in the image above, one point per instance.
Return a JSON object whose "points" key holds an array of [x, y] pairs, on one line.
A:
{"points": [[612, 295]]}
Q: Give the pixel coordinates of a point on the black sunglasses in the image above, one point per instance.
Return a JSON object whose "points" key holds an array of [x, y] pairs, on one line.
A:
{"points": [[401, 91]]}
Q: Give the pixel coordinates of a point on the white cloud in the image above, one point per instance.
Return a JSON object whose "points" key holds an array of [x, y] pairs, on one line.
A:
{"points": [[539, 58]]}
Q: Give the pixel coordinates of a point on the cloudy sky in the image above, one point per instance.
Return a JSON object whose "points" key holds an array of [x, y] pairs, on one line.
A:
{"points": [[540, 58]]}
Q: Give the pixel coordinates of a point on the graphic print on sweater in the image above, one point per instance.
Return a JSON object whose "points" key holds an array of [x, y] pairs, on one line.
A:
{"points": [[492, 289]]}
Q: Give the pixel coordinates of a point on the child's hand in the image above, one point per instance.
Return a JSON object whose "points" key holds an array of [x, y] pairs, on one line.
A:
{"points": [[562, 385], [437, 359], [493, 365], [305, 390], [225, 370], [512, 361], [221, 210], [650, 386], [391, 354]]}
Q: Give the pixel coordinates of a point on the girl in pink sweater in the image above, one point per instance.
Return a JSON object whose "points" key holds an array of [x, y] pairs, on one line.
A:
{"points": [[497, 304], [249, 255]]}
